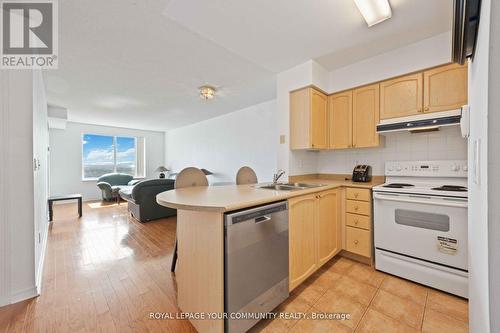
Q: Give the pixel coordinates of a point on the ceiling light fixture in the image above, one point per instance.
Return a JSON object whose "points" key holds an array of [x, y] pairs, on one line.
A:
{"points": [[374, 11], [207, 92]]}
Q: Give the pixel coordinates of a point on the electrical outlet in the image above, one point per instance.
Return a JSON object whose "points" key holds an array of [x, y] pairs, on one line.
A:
{"points": [[282, 139]]}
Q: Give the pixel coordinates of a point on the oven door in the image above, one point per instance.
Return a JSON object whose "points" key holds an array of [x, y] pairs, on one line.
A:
{"points": [[423, 227]]}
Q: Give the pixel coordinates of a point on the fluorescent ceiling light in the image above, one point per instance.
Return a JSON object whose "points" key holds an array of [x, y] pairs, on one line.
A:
{"points": [[374, 11]]}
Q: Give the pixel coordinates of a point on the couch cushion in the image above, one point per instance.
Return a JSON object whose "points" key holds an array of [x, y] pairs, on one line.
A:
{"points": [[126, 192]]}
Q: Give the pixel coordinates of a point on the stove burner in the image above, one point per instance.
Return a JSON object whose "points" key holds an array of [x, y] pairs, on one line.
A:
{"points": [[452, 188], [398, 185]]}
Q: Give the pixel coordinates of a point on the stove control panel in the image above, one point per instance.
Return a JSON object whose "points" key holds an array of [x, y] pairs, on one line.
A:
{"points": [[452, 168]]}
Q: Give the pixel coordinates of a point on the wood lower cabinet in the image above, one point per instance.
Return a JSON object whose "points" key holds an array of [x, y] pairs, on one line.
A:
{"points": [[445, 88], [358, 241], [303, 258], [329, 241], [358, 222], [314, 233], [366, 116], [308, 119]]}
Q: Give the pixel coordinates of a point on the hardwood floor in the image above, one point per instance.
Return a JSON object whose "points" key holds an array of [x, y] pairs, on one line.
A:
{"points": [[105, 272]]}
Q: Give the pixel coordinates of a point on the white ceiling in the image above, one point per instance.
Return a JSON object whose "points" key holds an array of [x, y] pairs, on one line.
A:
{"points": [[138, 64]]}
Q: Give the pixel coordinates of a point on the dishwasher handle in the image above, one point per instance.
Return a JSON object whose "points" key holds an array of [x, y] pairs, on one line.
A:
{"points": [[262, 219], [256, 215]]}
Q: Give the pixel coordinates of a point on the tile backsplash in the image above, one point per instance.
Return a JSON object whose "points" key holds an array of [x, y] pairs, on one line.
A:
{"points": [[445, 144]]}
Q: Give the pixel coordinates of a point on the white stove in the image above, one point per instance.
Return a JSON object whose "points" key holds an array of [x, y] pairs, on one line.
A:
{"points": [[420, 223]]}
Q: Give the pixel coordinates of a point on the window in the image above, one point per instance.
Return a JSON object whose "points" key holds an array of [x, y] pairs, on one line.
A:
{"points": [[103, 154]]}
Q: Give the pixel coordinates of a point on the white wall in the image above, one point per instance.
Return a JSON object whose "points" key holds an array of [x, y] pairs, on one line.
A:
{"points": [[226, 143], [23, 108], [66, 157], [40, 186], [426, 53], [494, 165], [478, 186]]}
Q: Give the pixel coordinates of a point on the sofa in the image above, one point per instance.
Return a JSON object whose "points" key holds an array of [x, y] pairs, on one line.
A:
{"points": [[141, 199], [111, 183]]}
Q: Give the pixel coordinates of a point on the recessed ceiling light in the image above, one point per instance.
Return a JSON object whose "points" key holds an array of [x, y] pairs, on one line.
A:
{"points": [[207, 92], [374, 11]]}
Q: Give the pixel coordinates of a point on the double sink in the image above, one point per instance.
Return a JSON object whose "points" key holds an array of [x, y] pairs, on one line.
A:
{"points": [[289, 186]]}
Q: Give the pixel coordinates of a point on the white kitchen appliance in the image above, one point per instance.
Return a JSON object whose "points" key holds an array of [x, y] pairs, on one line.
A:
{"points": [[427, 122], [420, 223]]}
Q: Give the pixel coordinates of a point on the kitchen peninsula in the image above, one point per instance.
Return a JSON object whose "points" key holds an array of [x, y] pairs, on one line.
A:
{"points": [[200, 233]]}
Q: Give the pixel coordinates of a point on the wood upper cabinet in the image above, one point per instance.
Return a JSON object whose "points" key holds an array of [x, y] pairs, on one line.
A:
{"points": [[445, 88], [315, 234], [303, 255], [340, 120], [366, 116], [308, 119], [329, 241], [401, 97]]}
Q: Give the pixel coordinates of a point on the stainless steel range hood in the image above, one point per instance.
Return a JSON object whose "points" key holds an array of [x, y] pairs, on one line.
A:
{"points": [[421, 123]]}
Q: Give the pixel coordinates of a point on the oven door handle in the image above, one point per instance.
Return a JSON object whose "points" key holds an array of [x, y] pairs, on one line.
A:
{"points": [[449, 202]]}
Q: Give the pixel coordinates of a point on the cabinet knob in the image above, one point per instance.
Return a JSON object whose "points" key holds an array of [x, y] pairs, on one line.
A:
{"points": [[356, 208], [356, 242], [356, 222], [426, 108], [419, 110], [356, 195]]}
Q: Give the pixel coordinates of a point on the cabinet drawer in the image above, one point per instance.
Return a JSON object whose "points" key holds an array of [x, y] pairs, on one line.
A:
{"points": [[358, 221], [358, 207], [358, 194], [358, 241]]}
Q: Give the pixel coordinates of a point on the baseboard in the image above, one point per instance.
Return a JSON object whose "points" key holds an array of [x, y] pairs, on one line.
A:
{"points": [[4, 301], [22, 295], [41, 263]]}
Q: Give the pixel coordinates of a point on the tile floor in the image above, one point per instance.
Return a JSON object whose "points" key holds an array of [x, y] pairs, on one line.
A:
{"points": [[376, 302]]}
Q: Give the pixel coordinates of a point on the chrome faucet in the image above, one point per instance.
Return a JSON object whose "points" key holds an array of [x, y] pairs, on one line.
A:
{"points": [[278, 175]]}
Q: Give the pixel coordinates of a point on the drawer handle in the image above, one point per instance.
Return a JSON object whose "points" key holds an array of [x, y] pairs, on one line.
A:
{"points": [[356, 242]]}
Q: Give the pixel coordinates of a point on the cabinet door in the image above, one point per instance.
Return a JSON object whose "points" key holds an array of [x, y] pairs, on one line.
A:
{"points": [[319, 120], [328, 225], [366, 114], [401, 97], [303, 258], [445, 88], [340, 120], [300, 120]]}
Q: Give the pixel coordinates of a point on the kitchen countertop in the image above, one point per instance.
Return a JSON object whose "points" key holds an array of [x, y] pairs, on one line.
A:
{"points": [[233, 197]]}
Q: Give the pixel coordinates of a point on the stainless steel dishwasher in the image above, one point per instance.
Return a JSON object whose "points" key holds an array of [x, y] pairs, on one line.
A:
{"points": [[256, 263]]}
